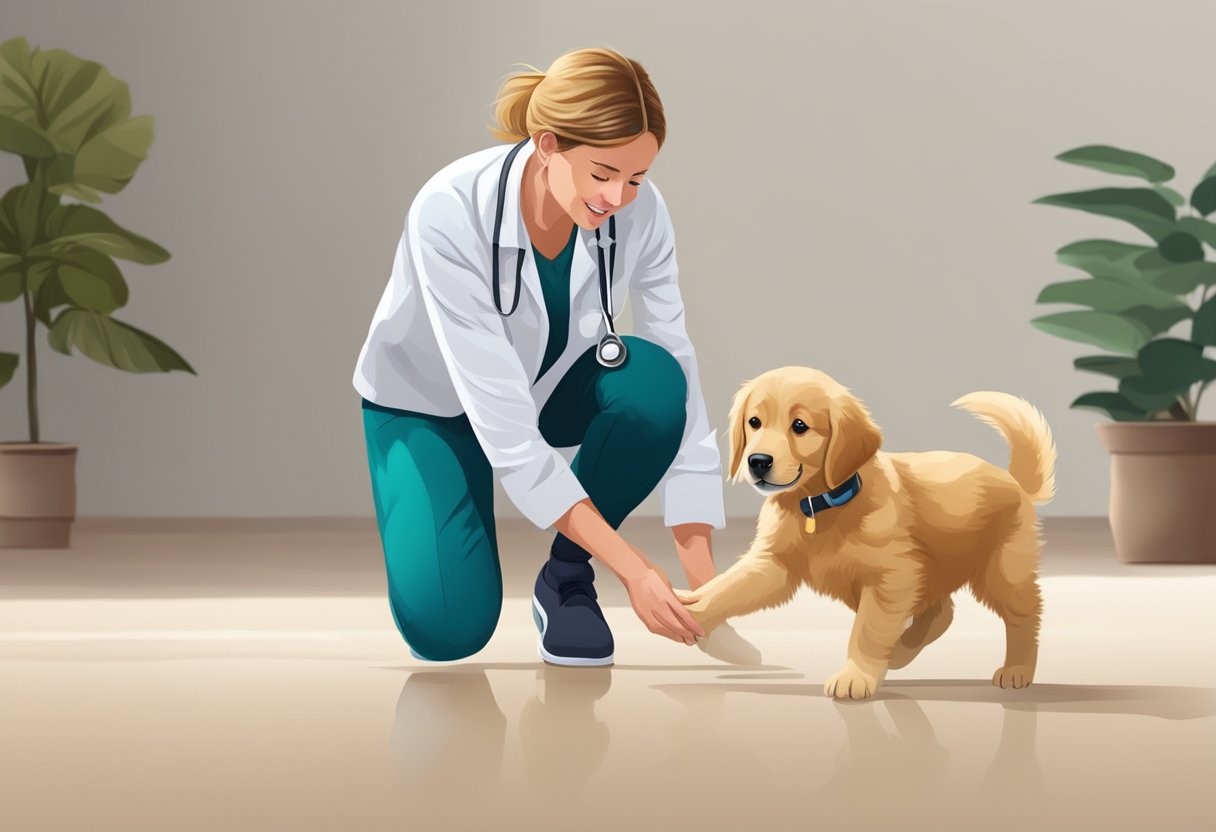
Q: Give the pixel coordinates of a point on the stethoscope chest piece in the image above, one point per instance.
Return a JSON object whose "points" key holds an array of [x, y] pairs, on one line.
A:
{"points": [[611, 351]]}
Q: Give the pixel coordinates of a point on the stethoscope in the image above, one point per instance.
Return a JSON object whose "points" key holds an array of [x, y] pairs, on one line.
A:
{"points": [[611, 349]]}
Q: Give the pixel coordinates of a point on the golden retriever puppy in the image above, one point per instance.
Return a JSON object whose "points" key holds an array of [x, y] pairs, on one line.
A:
{"points": [[892, 535]]}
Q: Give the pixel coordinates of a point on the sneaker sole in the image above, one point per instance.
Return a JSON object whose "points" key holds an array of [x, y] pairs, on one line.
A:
{"points": [[542, 621]]}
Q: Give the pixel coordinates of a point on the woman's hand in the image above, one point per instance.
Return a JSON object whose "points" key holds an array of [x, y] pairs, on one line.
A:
{"points": [[656, 605]]}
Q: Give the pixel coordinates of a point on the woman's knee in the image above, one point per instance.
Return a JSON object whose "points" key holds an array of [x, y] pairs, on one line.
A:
{"points": [[457, 634], [659, 389]]}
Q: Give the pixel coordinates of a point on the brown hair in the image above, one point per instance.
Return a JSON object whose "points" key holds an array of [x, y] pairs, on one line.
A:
{"points": [[589, 96]]}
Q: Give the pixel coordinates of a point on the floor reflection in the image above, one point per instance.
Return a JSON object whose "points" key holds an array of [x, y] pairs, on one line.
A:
{"points": [[448, 729], [731, 737], [562, 740]]}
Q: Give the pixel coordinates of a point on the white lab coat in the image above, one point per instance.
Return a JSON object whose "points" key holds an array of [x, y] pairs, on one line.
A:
{"points": [[438, 345]]}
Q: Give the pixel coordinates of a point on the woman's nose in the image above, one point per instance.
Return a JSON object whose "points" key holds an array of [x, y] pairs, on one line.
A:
{"points": [[612, 195]]}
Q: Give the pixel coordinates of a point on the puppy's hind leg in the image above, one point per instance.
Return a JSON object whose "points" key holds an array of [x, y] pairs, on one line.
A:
{"points": [[1009, 586], [926, 628]]}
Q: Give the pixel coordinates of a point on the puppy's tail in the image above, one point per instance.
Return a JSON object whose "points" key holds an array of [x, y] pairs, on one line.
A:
{"points": [[1033, 454]]}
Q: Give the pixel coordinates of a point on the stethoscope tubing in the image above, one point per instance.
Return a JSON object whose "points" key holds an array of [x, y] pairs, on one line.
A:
{"points": [[603, 350]]}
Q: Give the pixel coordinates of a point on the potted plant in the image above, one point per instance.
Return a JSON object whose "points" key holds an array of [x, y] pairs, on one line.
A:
{"points": [[1140, 303], [69, 121]]}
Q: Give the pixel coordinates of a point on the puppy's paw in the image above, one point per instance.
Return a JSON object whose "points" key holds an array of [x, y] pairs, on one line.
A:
{"points": [[851, 683], [1013, 676], [687, 596], [726, 645]]}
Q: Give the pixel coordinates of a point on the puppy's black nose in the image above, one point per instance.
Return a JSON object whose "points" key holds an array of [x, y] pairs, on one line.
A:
{"points": [[759, 464]]}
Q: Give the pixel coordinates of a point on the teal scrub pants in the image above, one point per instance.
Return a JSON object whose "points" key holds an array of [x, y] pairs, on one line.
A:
{"points": [[434, 496]]}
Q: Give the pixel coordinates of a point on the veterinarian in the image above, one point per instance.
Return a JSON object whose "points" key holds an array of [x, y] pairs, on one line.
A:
{"points": [[494, 344]]}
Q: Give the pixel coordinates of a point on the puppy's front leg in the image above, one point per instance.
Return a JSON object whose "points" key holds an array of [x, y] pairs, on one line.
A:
{"points": [[755, 581], [881, 614]]}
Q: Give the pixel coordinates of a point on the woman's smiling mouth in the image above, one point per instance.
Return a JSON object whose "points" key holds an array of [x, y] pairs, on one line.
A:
{"points": [[597, 211], [765, 487]]}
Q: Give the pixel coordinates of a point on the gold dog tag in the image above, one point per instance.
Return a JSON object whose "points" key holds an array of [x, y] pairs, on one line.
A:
{"points": [[810, 525]]}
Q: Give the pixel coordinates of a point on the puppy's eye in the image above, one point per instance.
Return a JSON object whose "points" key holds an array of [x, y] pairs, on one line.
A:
{"points": [[800, 426], [754, 422]]}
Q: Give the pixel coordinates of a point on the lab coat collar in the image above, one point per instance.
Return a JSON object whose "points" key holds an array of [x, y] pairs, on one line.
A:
{"points": [[512, 232]]}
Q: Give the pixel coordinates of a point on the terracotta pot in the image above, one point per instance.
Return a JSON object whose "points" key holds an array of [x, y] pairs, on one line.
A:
{"points": [[37, 494], [1163, 481]]}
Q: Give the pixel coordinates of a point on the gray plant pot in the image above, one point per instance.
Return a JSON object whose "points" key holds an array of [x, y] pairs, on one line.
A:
{"points": [[37, 494], [1163, 485]]}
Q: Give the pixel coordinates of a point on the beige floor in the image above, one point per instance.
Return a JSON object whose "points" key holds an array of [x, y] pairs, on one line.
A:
{"points": [[187, 675]]}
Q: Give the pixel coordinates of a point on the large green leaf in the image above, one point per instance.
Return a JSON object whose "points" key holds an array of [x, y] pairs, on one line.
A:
{"points": [[1146, 393], [76, 191], [83, 278], [1170, 367], [49, 296], [18, 137], [1180, 247], [1157, 320], [1175, 278], [1114, 160], [10, 286], [1184, 279], [113, 343], [82, 225], [24, 211], [37, 272], [108, 161], [1108, 330], [1173, 197], [82, 110], [1199, 229], [1112, 404], [8, 366], [1173, 362], [1108, 365], [1203, 327], [1110, 295], [1142, 207], [1104, 258], [1203, 198]]}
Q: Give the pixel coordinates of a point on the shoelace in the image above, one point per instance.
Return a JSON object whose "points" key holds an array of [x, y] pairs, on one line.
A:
{"points": [[571, 588]]}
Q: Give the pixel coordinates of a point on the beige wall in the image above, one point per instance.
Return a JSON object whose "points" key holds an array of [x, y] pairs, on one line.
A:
{"points": [[850, 183]]}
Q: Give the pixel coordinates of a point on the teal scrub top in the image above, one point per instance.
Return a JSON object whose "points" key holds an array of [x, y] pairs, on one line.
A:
{"points": [[555, 284]]}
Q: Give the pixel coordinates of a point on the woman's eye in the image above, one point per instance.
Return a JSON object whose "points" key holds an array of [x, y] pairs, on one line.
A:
{"points": [[599, 178], [635, 184], [800, 426], [754, 422]]}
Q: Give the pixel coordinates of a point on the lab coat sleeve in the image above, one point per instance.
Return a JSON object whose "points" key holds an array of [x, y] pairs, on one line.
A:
{"points": [[691, 489], [452, 264]]}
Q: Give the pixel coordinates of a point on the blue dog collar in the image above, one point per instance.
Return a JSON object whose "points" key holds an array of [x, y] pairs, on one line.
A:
{"points": [[838, 496]]}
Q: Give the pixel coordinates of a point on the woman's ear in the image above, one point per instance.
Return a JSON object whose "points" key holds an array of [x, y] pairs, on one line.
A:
{"points": [[546, 146], [738, 435], [853, 441]]}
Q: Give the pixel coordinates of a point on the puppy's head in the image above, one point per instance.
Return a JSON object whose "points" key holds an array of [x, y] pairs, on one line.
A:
{"points": [[796, 429]]}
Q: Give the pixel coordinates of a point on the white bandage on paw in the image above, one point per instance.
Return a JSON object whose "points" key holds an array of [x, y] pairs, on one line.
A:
{"points": [[726, 645]]}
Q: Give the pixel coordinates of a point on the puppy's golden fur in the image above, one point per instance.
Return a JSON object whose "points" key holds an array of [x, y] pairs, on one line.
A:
{"points": [[923, 525]]}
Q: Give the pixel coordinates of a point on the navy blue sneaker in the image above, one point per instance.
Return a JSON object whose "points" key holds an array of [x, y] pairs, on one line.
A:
{"points": [[572, 628]]}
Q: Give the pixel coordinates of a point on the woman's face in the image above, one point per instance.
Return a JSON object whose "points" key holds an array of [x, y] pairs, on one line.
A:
{"points": [[586, 180]]}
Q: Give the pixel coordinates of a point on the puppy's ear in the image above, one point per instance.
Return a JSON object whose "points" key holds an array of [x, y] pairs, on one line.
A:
{"points": [[853, 441], [738, 434]]}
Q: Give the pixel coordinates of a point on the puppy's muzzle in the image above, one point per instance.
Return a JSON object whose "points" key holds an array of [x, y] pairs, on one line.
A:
{"points": [[759, 464]]}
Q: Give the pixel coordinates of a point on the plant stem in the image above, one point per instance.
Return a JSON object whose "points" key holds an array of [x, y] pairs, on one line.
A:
{"points": [[31, 359]]}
